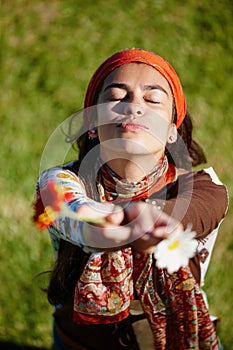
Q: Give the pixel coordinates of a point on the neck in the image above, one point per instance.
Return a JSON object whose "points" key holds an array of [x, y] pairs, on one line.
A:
{"points": [[132, 169]]}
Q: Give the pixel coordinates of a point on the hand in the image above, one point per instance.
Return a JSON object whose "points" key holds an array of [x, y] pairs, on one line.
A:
{"points": [[149, 225], [109, 234], [140, 225]]}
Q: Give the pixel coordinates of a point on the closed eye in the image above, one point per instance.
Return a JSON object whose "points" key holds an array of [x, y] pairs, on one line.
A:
{"points": [[119, 95], [152, 101], [116, 98], [155, 97]]}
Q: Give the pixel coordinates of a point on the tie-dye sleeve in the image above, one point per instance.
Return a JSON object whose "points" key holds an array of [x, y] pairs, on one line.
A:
{"points": [[65, 227]]}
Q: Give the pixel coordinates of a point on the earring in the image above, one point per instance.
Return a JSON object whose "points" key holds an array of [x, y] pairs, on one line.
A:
{"points": [[92, 134], [170, 138]]}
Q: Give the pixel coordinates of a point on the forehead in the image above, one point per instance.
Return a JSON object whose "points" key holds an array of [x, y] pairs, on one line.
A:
{"points": [[137, 73]]}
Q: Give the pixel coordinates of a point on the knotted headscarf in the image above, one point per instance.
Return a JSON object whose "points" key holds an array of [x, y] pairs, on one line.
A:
{"points": [[140, 56]]}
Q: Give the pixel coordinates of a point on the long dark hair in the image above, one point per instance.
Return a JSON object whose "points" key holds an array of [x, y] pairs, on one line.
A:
{"points": [[186, 152]]}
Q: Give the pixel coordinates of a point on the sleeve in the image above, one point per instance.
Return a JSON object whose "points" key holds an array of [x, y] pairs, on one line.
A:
{"points": [[200, 200], [65, 228]]}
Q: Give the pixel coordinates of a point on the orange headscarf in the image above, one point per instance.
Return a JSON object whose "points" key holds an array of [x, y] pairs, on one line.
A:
{"points": [[142, 56]]}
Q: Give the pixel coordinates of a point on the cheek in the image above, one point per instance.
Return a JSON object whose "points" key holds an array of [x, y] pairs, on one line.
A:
{"points": [[159, 127], [105, 132], [105, 114]]}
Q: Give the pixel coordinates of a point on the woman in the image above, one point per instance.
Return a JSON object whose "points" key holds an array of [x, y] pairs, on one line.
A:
{"points": [[133, 173]]}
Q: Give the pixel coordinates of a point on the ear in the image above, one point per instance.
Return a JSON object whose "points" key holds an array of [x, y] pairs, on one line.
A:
{"points": [[172, 133]]}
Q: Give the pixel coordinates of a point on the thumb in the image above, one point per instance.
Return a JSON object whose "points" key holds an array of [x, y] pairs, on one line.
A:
{"points": [[116, 216], [111, 213]]}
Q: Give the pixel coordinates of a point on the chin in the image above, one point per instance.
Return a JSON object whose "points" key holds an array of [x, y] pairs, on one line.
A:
{"points": [[123, 146]]}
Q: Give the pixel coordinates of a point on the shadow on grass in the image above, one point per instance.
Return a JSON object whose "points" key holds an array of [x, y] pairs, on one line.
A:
{"points": [[12, 346]]}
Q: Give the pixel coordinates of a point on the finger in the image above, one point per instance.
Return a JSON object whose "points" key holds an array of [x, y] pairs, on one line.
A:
{"points": [[95, 210], [118, 234], [116, 216], [163, 223], [105, 237]]}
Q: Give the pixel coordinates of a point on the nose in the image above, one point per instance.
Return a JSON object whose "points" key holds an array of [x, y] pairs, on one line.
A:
{"points": [[133, 109]]}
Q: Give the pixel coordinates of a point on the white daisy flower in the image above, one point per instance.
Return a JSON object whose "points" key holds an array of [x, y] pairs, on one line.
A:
{"points": [[176, 250]]}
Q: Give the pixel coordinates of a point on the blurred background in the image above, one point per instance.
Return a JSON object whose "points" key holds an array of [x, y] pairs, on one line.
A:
{"points": [[49, 51]]}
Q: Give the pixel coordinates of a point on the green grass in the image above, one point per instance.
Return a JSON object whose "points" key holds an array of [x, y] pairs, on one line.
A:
{"points": [[49, 50]]}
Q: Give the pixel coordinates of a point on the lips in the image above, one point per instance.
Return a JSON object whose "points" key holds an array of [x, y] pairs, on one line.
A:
{"points": [[131, 127]]}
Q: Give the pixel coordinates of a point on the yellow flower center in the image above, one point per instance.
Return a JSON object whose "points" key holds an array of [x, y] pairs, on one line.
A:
{"points": [[173, 245]]}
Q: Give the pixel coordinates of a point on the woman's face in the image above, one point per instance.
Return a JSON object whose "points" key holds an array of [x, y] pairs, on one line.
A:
{"points": [[134, 112]]}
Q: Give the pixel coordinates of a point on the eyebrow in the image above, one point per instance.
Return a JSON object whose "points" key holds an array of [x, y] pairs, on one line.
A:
{"points": [[115, 85], [145, 88]]}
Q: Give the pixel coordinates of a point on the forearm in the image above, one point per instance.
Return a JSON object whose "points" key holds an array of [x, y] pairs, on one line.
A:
{"points": [[64, 225], [204, 206]]}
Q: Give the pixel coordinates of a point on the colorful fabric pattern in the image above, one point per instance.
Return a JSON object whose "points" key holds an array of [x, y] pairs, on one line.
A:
{"points": [[174, 307], [105, 288], [65, 228]]}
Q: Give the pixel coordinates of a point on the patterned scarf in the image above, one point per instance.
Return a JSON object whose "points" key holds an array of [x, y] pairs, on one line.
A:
{"points": [[172, 303], [112, 188]]}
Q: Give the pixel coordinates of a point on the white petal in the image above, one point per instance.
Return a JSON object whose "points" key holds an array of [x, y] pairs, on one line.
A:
{"points": [[174, 257]]}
